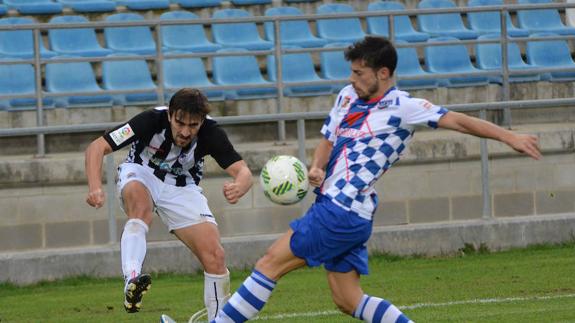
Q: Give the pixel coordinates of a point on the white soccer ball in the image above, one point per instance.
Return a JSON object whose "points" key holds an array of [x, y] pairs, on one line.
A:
{"points": [[284, 180]]}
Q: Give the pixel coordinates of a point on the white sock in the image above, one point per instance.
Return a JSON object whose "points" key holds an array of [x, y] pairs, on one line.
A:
{"points": [[216, 292], [133, 248], [377, 310]]}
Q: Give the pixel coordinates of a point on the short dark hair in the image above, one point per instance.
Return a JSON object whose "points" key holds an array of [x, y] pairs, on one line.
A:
{"points": [[191, 101], [376, 52]]}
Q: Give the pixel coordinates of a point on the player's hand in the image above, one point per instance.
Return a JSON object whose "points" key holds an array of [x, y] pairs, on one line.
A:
{"points": [[232, 192], [316, 176], [527, 144], [96, 198]]}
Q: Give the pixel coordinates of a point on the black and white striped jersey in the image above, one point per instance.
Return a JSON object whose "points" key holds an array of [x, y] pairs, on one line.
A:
{"points": [[150, 136]]}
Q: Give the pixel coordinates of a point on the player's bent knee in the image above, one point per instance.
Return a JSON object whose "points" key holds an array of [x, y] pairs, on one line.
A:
{"points": [[214, 260]]}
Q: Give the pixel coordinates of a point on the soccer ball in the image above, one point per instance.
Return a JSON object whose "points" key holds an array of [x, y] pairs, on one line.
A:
{"points": [[284, 180]]}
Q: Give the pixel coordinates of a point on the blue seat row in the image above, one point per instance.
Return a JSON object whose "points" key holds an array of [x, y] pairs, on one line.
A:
{"points": [[243, 71]]}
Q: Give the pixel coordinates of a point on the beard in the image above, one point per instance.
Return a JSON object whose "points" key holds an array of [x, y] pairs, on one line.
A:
{"points": [[369, 93]]}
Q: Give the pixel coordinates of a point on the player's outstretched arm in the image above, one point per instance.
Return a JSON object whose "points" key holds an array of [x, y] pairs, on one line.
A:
{"points": [[321, 154], [523, 143], [242, 183], [94, 156]]}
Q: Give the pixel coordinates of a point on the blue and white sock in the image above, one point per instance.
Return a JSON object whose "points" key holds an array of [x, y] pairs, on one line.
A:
{"points": [[377, 310], [248, 300]]}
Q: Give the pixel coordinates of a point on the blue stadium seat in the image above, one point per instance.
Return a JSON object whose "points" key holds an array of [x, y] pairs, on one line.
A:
{"points": [[3, 10], [402, 24], [444, 24], [20, 43], [334, 66], [136, 40], [542, 20], [551, 54], [188, 72], [19, 79], [292, 32], [198, 3], [408, 65], [76, 41], [144, 4], [129, 75], [488, 57], [299, 1], [238, 35], [488, 22], [34, 7], [89, 6], [452, 59], [75, 77], [190, 37], [249, 2], [338, 29], [240, 70], [298, 68]]}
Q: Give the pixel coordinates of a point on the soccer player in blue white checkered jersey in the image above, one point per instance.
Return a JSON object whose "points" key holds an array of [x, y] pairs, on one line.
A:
{"points": [[369, 126]]}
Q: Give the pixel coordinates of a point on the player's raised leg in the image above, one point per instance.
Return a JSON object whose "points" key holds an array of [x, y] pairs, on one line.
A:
{"points": [[138, 206], [254, 293], [350, 299]]}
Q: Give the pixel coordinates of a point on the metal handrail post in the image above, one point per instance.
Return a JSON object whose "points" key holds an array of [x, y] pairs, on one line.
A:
{"points": [[159, 62], [111, 198], [40, 139], [391, 28], [505, 68], [301, 141], [279, 81], [485, 191]]}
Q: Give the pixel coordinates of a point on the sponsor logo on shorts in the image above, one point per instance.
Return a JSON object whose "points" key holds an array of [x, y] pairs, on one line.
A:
{"points": [[206, 215], [122, 134]]}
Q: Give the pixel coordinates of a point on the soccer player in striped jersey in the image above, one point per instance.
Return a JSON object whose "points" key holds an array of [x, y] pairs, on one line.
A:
{"points": [[161, 175], [366, 131]]}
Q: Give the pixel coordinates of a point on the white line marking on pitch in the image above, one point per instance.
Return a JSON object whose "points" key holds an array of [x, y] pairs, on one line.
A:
{"points": [[420, 305]]}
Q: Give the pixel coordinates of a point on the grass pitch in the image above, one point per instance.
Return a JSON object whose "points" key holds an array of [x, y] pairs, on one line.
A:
{"points": [[536, 284]]}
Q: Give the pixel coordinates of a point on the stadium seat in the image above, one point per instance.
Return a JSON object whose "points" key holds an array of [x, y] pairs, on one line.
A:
{"points": [[144, 4], [292, 32], [20, 43], [570, 14], [542, 20], [129, 75], [188, 72], [75, 77], [198, 3], [339, 29], [136, 40], [299, 1], [240, 70], [19, 79], [408, 65], [34, 7], [402, 24], [3, 10], [334, 66], [76, 41], [444, 24], [297, 68], [89, 6], [238, 35], [551, 54], [488, 57], [488, 22], [249, 2], [452, 59], [190, 37]]}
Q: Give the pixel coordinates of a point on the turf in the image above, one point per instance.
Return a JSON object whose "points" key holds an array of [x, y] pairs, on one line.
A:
{"points": [[524, 285]]}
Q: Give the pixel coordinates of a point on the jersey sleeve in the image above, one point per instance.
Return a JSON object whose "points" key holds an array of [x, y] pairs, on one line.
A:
{"points": [[421, 112], [220, 147], [126, 133], [330, 124]]}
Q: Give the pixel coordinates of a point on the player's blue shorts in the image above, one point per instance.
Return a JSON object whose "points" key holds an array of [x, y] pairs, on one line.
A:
{"points": [[332, 236]]}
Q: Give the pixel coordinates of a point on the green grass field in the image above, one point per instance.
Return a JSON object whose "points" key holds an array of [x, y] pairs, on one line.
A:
{"points": [[527, 285]]}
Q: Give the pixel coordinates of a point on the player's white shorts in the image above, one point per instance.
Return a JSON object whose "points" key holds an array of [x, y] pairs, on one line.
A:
{"points": [[178, 207]]}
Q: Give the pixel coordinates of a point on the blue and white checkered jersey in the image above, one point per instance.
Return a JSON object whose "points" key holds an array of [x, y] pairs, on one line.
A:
{"points": [[368, 137]]}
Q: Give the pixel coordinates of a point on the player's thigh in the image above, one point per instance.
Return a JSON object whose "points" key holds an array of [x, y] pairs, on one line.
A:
{"points": [[201, 238], [137, 202], [345, 289], [279, 258]]}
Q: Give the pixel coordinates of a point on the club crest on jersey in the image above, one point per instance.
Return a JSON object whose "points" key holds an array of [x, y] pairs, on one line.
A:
{"points": [[122, 134], [345, 102], [426, 104]]}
